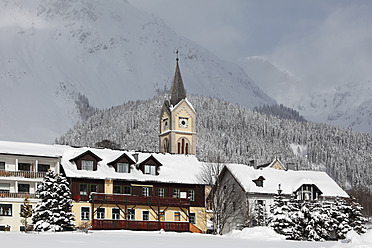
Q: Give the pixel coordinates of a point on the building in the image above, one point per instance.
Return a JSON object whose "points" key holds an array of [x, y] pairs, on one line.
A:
{"points": [[177, 121], [254, 187], [22, 167], [115, 189]]}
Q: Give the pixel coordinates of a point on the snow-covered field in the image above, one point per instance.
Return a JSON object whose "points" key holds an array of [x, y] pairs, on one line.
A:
{"points": [[252, 237]]}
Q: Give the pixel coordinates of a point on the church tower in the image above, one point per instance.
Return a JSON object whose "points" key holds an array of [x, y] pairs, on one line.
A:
{"points": [[177, 120]]}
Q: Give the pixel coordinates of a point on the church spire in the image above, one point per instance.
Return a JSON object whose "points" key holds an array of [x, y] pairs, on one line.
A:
{"points": [[178, 90]]}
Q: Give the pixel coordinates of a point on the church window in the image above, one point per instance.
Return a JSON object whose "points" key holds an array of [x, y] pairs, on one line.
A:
{"points": [[165, 124], [166, 145], [183, 146]]}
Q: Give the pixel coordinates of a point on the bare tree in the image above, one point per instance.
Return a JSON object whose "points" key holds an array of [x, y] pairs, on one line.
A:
{"points": [[225, 200]]}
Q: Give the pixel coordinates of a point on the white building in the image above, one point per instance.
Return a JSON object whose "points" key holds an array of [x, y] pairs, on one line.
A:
{"points": [[22, 167], [259, 186]]}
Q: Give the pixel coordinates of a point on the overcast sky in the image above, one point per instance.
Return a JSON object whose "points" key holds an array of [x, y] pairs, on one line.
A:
{"points": [[319, 41]]}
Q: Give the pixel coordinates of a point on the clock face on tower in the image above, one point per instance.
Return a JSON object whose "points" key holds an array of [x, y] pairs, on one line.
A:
{"points": [[183, 122]]}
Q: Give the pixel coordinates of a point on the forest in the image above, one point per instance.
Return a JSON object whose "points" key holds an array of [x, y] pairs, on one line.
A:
{"points": [[235, 134]]}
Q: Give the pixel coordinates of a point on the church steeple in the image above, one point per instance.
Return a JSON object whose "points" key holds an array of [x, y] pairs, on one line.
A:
{"points": [[177, 123], [177, 90]]}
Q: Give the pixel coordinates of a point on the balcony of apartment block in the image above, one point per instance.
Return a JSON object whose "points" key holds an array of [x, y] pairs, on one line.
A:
{"points": [[22, 195], [120, 199], [126, 202], [25, 170]]}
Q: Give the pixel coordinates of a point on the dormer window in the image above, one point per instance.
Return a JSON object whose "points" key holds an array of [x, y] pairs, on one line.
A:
{"points": [[123, 168], [87, 161], [150, 169], [87, 165], [259, 181]]}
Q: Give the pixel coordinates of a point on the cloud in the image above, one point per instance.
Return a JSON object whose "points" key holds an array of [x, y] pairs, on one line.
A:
{"points": [[333, 51]]}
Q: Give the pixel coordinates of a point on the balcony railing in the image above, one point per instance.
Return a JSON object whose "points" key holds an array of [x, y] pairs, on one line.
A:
{"points": [[176, 226], [16, 195], [139, 200], [23, 174]]}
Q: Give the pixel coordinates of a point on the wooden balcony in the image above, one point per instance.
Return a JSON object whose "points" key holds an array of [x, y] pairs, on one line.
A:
{"points": [[23, 174], [141, 225], [16, 195], [139, 200]]}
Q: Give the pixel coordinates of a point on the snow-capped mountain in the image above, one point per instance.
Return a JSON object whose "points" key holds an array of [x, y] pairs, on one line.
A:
{"points": [[51, 51], [349, 105]]}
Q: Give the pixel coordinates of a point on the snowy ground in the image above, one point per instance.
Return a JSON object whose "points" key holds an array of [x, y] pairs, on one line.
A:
{"points": [[253, 237]]}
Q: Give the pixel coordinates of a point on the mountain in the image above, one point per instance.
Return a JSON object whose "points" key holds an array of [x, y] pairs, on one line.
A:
{"points": [[348, 105], [56, 53], [236, 135]]}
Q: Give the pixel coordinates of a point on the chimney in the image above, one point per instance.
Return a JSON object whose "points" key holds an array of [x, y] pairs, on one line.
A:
{"points": [[135, 156], [253, 163]]}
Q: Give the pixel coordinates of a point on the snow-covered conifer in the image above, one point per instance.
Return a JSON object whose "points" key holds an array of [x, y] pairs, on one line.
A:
{"points": [[53, 212]]}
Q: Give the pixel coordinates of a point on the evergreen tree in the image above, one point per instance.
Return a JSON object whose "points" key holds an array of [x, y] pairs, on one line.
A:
{"points": [[63, 215], [26, 212], [279, 219], [53, 212], [339, 213], [356, 219]]}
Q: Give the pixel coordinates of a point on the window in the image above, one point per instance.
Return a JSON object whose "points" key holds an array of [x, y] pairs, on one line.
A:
{"points": [[176, 193], [192, 218], [22, 228], [145, 191], [85, 213], [131, 214], [117, 189], [4, 187], [165, 126], [2, 165], [83, 189], [145, 215], [150, 169], [24, 167], [177, 216], [6, 209], [161, 192], [191, 195], [23, 188], [127, 190], [100, 213], [162, 216], [93, 188], [43, 167], [115, 214], [123, 167], [87, 165]]}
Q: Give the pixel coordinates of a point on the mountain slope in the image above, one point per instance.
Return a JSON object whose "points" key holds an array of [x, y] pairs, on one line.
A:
{"points": [[109, 51], [236, 135], [348, 106]]}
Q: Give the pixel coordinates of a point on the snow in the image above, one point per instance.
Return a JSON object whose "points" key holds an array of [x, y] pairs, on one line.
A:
{"points": [[253, 237], [289, 180]]}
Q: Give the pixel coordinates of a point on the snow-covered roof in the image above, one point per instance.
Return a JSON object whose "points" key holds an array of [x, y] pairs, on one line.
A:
{"points": [[174, 168], [31, 149], [289, 180]]}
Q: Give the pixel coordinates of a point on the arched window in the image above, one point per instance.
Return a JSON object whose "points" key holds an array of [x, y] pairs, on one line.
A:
{"points": [[166, 145], [183, 146]]}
